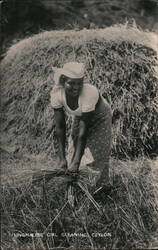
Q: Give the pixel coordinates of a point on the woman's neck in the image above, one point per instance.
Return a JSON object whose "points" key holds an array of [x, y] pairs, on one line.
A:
{"points": [[72, 101]]}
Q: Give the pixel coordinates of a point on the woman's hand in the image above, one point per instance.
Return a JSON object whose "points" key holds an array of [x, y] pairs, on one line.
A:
{"points": [[63, 164], [74, 167]]}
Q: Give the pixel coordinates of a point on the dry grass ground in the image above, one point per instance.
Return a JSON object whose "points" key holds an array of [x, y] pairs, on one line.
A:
{"points": [[128, 216]]}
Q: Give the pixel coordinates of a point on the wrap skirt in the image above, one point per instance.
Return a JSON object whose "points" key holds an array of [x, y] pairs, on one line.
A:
{"points": [[98, 137]]}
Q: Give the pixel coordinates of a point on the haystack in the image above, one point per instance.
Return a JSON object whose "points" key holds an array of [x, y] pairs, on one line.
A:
{"points": [[120, 61]]}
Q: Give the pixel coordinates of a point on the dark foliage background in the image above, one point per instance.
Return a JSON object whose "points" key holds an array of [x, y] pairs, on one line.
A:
{"points": [[21, 18]]}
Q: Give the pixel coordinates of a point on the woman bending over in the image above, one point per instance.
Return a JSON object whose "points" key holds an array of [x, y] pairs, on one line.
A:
{"points": [[92, 119]]}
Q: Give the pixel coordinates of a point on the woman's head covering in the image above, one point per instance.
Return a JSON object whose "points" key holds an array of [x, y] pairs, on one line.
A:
{"points": [[72, 70]]}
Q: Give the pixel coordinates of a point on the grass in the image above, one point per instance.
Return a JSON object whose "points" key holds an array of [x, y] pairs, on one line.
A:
{"points": [[127, 217]]}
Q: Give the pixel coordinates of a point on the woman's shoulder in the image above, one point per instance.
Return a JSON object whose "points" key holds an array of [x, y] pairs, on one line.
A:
{"points": [[56, 91], [89, 97], [56, 97], [89, 86], [89, 89]]}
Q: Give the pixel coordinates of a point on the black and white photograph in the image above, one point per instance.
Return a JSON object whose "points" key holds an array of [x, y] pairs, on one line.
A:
{"points": [[79, 124]]}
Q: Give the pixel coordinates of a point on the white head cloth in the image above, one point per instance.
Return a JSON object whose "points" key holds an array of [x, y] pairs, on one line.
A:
{"points": [[72, 70]]}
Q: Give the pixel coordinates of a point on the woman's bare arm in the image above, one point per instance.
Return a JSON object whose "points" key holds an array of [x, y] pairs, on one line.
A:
{"points": [[80, 142], [61, 133]]}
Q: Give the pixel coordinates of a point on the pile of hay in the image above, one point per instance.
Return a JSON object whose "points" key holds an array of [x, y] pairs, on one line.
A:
{"points": [[119, 60]]}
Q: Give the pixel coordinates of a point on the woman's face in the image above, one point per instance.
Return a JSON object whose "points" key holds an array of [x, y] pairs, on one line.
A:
{"points": [[73, 87]]}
